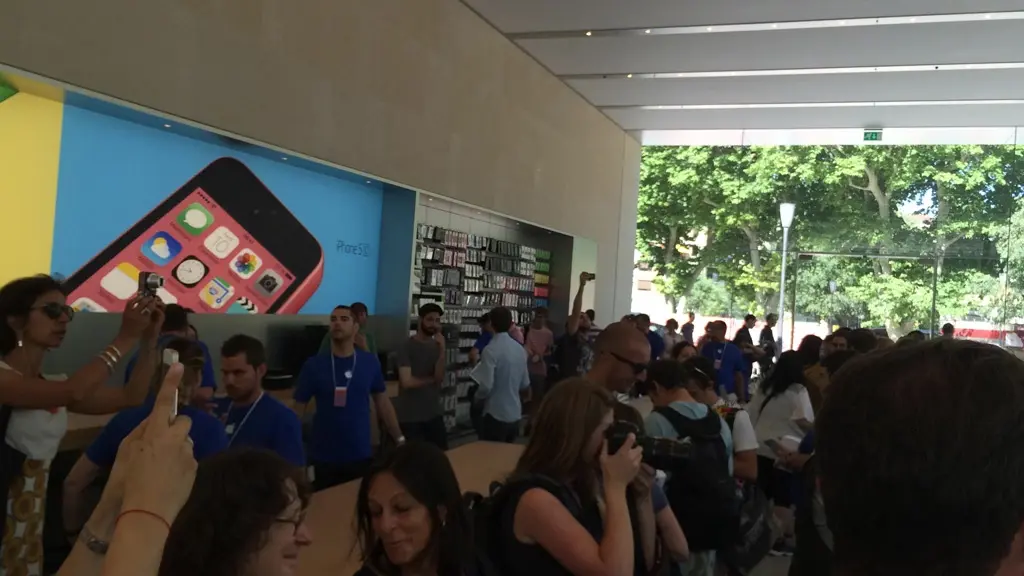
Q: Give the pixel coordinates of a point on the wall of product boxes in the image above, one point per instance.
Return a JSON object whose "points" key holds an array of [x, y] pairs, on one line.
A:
{"points": [[468, 275]]}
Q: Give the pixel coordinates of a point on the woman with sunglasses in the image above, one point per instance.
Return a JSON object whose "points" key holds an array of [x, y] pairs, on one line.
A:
{"points": [[33, 407]]}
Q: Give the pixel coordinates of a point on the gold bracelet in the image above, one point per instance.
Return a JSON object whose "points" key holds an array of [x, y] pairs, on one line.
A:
{"points": [[111, 359], [103, 359], [116, 352]]}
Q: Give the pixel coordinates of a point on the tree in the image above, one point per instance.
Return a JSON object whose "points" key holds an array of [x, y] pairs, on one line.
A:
{"points": [[898, 218]]}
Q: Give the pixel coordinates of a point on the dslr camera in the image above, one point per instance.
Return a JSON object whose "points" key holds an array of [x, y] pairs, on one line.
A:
{"points": [[659, 453], [149, 283]]}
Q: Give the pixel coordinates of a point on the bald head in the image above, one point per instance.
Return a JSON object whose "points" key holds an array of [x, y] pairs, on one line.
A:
{"points": [[620, 353]]}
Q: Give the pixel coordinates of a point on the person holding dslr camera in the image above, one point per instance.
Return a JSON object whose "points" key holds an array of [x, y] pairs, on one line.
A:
{"points": [[700, 486]]}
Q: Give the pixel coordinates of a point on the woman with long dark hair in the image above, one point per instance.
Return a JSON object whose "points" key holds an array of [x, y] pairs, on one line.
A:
{"points": [[33, 407], [778, 409], [411, 516]]}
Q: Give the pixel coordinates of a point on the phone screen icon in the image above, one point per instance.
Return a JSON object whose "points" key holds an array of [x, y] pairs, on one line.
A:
{"points": [[161, 248], [122, 281], [269, 283], [221, 243], [190, 271], [195, 218], [217, 293], [246, 263]]}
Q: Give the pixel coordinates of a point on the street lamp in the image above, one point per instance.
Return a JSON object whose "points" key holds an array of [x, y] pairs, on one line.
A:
{"points": [[786, 212]]}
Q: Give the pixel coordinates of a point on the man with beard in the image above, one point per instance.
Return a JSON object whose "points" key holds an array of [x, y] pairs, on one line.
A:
{"points": [[343, 383], [421, 364]]}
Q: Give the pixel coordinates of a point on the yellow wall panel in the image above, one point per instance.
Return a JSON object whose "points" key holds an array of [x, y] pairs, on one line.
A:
{"points": [[30, 129]]}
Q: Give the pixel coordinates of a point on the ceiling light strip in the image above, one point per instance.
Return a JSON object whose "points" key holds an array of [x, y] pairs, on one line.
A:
{"points": [[797, 71], [762, 26], [790, 105]]}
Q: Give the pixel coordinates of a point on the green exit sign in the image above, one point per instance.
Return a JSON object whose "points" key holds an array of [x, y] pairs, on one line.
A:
{"points": [[872, 135]]}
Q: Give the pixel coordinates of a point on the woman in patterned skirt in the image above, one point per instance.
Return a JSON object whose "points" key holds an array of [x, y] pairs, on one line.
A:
{"points": [[33, 407]]}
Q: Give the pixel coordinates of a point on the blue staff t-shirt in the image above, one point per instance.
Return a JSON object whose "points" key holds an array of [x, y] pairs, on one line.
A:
{"points": [[209, 379], [341, 434], [207, 433], [482, 341], [728, 360], [267, 424], [657, 345]]}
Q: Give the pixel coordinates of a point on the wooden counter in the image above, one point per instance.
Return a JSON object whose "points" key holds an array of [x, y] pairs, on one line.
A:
{"points": [[332, 512]]}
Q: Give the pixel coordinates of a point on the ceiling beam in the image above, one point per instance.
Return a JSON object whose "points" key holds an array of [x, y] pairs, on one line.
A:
{"points": [[524, 16]]}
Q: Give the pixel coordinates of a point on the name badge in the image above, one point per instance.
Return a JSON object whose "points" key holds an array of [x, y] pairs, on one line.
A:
{"points": [[229, 429], [340, 397]]}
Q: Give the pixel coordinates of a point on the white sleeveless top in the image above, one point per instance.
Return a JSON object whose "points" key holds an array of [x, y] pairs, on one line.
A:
{"points": [[37, 433]]}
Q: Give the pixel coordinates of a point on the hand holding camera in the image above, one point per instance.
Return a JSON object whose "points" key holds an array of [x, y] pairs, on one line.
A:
{"points": [[620, 467]]}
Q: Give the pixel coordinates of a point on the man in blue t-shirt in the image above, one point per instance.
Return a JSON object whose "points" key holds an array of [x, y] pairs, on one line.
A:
{"points": [[730, 366], [176, 326], [252, 417], [643, 323], [343, 383], [207, 434]]}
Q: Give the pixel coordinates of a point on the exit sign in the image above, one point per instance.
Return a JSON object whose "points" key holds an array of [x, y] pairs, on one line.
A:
{"points": [[872, 135]]}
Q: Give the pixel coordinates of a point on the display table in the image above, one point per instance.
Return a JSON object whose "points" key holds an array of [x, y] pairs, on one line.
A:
{"points": [[332, 512]]}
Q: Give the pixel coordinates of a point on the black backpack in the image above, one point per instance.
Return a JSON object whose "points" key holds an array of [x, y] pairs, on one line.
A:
{"points": [[486, 514], [702, 491]]}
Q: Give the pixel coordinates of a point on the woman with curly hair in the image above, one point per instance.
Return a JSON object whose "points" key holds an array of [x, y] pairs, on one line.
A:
{"points": [[246, 516]]}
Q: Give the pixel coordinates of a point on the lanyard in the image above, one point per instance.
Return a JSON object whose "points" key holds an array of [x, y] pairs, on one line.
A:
{"points": [[348, 373], [238, 430]]}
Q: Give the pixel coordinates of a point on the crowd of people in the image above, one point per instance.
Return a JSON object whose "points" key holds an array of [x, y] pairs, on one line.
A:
{"points": [[647, 454]]}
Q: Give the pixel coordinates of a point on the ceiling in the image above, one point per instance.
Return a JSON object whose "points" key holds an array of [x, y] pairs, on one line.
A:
{"points": [[663, 66]]}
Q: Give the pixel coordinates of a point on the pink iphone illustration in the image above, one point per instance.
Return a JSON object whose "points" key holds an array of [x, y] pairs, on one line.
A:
{"points": [[223, 243]]}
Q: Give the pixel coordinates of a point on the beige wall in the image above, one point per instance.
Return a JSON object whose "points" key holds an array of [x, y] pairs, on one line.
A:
{"points": [[420, 92]]}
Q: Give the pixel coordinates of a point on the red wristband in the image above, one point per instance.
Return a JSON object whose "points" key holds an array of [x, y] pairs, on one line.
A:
{"points": [[147, 513]]}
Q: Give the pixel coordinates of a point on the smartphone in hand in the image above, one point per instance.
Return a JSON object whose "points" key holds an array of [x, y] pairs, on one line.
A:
{"points": [[170, 359]]}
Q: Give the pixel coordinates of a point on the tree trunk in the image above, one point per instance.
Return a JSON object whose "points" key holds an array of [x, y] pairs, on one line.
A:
{"points": [[755, 259]]}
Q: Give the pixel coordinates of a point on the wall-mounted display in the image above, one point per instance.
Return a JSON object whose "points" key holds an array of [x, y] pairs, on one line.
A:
{"points": [[103, 193]]}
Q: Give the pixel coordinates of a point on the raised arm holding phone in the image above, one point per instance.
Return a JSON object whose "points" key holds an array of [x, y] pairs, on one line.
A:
{"points": [[150, 482]]}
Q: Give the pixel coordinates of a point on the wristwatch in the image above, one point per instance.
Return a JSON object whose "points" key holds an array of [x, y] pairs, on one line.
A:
{"points": [[94, 544]]}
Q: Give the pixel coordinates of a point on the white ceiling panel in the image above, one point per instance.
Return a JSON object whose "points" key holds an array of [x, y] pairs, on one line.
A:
{"points": [[519, 16], [951, 43], [811, 88], [806, 118]]}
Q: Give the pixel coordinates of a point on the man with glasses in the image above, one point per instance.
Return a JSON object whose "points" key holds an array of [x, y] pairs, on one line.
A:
{"points": [[621, 356]]}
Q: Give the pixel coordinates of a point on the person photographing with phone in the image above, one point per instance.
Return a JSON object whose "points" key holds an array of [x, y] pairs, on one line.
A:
{"points": [[149, 483], [206, 432], [34, 406], [575, 353]]}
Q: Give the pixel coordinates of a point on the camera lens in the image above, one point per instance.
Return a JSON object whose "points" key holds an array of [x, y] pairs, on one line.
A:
{"points": [[269, 283]]}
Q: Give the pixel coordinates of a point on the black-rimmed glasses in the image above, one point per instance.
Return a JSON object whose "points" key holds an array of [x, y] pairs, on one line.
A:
{"points": [[638, 367]]}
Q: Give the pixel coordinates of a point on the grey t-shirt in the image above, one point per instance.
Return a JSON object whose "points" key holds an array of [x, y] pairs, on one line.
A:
{"points": [[423, 403]]}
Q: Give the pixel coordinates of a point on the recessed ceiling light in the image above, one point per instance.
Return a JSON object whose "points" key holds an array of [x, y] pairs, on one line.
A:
{"points": [[842, 23], [988, 16], [775, 25], [629, 75], [711, 28], [913, 19], [589, 33], [167, 125], [648, 31]]}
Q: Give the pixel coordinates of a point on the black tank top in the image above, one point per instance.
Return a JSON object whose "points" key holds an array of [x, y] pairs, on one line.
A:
{"points": [[520, 559]]}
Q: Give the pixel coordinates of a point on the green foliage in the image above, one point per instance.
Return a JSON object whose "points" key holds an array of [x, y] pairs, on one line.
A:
{"points": [[897, 218]]}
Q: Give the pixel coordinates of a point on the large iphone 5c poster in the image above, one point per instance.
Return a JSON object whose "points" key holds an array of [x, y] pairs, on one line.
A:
{"points": [[230, 228]]}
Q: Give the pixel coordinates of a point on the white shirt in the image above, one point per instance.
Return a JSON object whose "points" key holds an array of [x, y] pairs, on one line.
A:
{"points": [[37, 433], [743, 437], [776, 420]]}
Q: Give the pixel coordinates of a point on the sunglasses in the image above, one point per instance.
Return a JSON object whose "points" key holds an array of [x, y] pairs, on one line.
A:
{"points": [[638, 367], [54, 311]]}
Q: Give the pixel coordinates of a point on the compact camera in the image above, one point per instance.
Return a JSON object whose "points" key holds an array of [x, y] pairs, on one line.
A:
{"points": [[149, 283]]}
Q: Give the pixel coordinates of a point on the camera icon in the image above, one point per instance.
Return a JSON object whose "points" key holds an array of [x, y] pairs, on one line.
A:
{"points": [[269, 283]]}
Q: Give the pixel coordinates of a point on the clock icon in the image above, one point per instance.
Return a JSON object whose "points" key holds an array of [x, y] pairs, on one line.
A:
{"points": [[190, 271]]}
